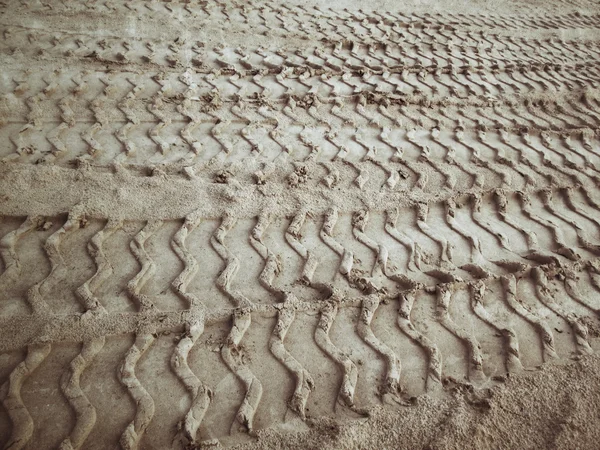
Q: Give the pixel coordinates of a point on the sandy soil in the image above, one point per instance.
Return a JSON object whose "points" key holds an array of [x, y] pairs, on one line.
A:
{"points": [[299, 225]]}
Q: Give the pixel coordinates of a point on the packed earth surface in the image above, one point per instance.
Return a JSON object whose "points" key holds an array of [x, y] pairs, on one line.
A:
{"points": [[299, 224]]}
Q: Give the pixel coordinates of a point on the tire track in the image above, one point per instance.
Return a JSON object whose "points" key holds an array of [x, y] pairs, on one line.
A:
{"points": [[85, 412], [201, 394], [285, 317], [230, 351]]}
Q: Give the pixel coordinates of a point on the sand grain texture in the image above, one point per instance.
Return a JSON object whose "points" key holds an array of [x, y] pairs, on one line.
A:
{"points": [[299, 225]]}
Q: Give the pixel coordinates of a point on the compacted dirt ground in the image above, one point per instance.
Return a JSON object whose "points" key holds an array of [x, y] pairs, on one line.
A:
{"points": [[321, 224]]}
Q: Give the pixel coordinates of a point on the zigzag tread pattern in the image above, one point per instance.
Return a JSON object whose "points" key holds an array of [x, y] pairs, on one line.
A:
{"points": [[219, 219]]}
